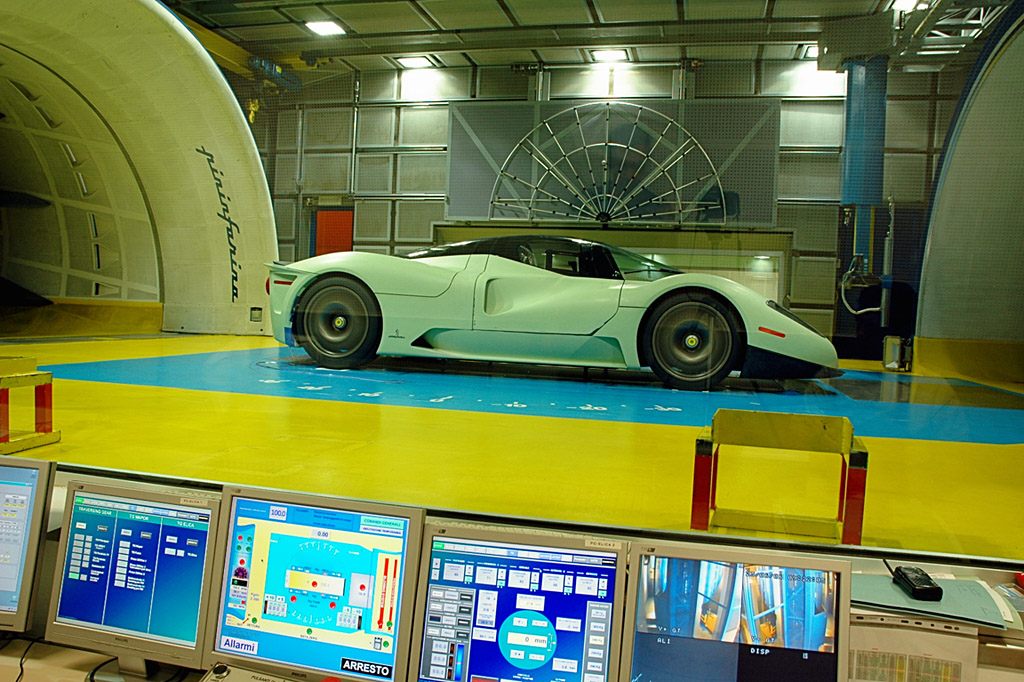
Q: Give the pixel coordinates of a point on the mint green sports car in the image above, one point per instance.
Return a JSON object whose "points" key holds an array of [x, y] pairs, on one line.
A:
{"points": [[540, 299]]}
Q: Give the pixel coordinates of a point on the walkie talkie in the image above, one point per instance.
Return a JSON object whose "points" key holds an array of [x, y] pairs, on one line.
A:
{"points": [[916, 583]]}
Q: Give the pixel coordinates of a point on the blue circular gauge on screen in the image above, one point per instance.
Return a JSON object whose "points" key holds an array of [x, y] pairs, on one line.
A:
{"points": [[527, 639]]}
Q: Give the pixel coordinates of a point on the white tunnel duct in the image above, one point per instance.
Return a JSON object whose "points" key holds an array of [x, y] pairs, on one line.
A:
{"points": [[194, 180]]}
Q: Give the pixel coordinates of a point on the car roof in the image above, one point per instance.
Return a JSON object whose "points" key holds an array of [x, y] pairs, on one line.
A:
{"points": [[486, 244]]}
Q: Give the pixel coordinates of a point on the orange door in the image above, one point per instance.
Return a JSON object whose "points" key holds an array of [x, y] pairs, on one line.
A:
{"points": [[332, 230]]}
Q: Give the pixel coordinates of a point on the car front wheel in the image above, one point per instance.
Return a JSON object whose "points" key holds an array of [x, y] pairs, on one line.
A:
{"points": [[337, 321], [692, 341]]}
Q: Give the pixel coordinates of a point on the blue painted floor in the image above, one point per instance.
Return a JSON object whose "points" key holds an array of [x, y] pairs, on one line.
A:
{"points": [[879, 404]]}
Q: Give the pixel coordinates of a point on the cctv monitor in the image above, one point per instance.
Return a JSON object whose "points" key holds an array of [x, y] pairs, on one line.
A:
{"points": [[713, 614], [25, 488], [133, 574], [499, 604], [312, 586]]}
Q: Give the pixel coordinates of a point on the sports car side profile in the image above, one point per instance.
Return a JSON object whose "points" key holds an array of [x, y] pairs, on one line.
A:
{"points": [[540, 299]]}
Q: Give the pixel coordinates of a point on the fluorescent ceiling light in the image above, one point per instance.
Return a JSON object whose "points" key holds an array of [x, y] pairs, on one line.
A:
{"points": [[414, 62], [324, 28], [811, 52], [904, 5], [609, 55]]}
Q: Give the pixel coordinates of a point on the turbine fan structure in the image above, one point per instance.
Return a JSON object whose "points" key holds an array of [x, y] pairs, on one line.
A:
{"points": [[609, 162]]}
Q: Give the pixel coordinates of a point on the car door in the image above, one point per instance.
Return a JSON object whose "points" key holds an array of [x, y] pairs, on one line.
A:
{"points": [[544, 286]]}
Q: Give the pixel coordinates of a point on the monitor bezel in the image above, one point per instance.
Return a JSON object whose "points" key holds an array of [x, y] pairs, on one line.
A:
{"points": [[732, 554], [120, 644], [522, 536], [416, 517], [20, 620]]}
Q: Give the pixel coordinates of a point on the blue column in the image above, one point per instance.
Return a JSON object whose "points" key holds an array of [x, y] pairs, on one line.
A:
{"points": [[864, 146]]}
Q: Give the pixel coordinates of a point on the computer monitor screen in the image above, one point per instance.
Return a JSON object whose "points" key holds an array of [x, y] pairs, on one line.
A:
{"points": [[709, 614], [133, 572], [314, 585], [499, 605], [24, 501]]}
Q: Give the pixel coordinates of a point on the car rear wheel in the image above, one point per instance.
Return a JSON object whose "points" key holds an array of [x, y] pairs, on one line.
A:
{"points": [[692, 341], [337, 321]]}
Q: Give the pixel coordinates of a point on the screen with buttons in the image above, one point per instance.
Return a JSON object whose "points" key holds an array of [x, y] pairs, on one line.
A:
{"points": [[135, 566], [18, 490], [314, 587], [507, 609]]}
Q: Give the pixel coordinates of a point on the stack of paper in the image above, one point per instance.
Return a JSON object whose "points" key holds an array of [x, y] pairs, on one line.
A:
{"points": [[962, 600]]}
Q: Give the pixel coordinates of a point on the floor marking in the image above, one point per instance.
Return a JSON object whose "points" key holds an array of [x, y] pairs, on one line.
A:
{"points": [[276, 372]]}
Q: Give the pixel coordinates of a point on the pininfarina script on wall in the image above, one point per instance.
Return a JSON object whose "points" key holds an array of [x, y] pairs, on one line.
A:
{"points": [[230, 226]]}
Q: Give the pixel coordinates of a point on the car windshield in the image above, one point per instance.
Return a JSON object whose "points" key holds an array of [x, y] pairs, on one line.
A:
{"points": [[637, 268]]}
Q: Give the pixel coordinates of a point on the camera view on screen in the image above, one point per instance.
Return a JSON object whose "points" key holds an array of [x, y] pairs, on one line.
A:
{"points": [[313, 587], [733, 622], [134, 567], [500, 611]]}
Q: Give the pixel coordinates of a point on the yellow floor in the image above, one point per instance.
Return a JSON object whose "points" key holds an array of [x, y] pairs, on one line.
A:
{"points": [[926, 495]]}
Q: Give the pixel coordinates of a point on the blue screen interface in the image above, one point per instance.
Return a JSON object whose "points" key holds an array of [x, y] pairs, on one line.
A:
{"points": [[135, 567], [704, 621], [313, 587], [501, 611], [17, 497]]}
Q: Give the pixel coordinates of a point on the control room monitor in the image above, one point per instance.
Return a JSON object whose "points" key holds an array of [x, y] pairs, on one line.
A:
{"points": [[711, 614], [133, 573], [312, 586], [517, 605], [25, 488]]}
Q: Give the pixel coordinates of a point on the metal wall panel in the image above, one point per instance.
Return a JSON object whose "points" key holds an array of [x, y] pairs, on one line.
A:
{"points": [[814, 281], [368, 248], [906, 124], [373, 173], [426, 173], [718, 79], [814, 226], [434, 85], [285, 173], [585, 81], [288, 130], [642, 81], [903, 83], [495, 82], [809, 176], [376, 127], [328, 128], [326, 172], [822, 320], [378, 86], [905, 177], [413, 220], [810, 123], [372, 221], [284, 217], [286, 253], [423, 126], [800, 79]]}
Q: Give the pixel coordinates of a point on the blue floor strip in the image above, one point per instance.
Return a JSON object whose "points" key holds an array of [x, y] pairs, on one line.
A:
{"points": [[280, 372]]}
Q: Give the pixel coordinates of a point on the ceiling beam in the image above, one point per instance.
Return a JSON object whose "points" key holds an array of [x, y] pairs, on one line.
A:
{"points": [[227, 54]]}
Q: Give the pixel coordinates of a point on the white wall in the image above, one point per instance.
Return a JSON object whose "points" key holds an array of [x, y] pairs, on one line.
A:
{"points": [[972, 285], [159, 98]]}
